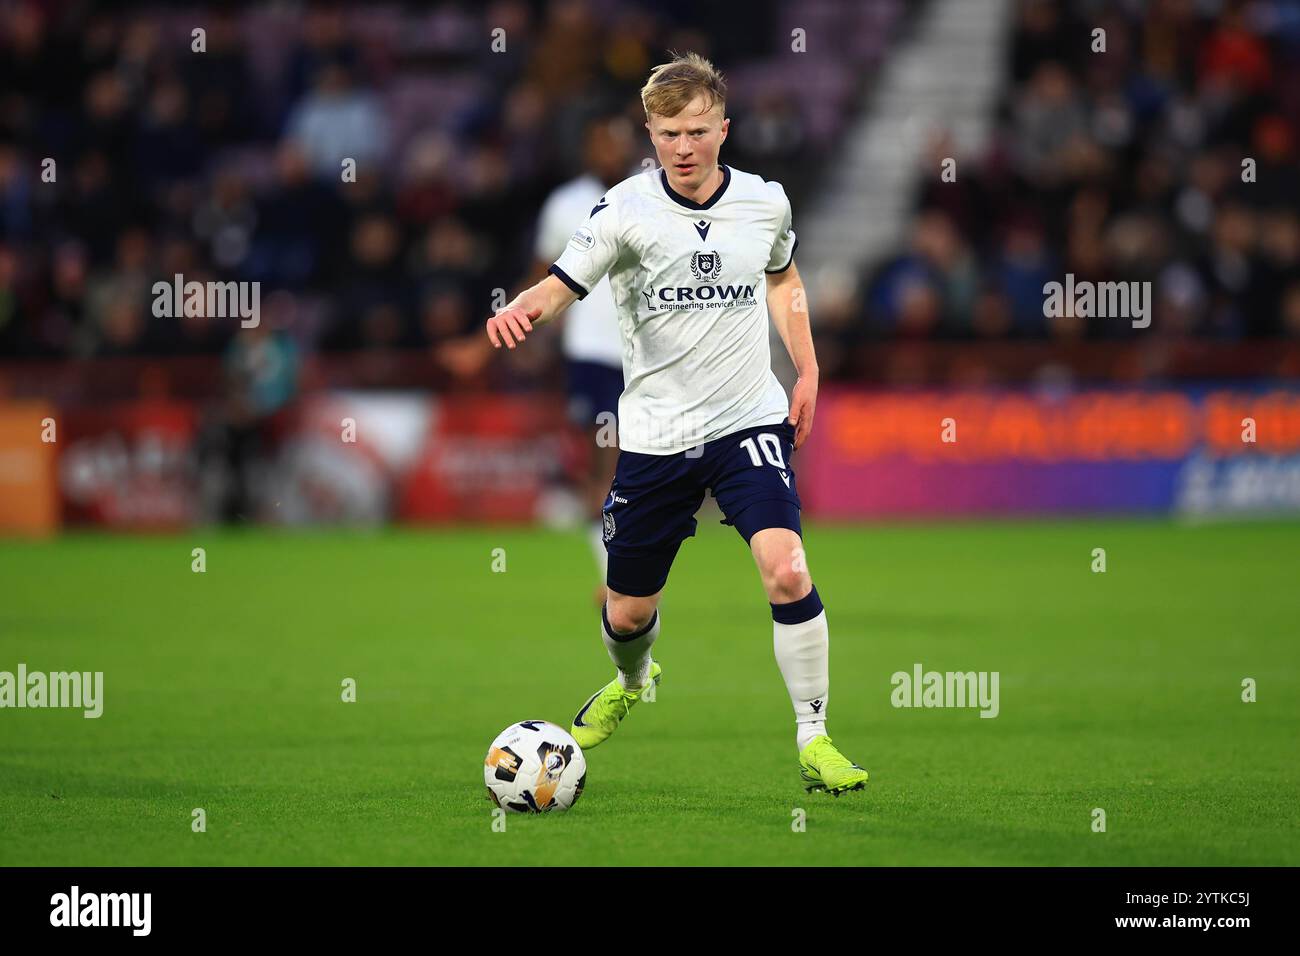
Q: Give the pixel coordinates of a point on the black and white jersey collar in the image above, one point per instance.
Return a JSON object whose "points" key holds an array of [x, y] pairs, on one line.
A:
{"points": [[691, 203]]}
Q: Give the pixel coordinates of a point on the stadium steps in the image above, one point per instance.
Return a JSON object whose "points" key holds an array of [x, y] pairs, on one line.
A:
{"points": [[947, 73]]}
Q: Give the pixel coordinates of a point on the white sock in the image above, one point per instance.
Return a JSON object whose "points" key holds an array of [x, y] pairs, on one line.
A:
{"points": [[630, 653], [596, 534], [808, 732], [803, 654]]}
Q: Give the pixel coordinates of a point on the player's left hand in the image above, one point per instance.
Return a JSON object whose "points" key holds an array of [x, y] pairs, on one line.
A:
{"points": [[802, 403]]}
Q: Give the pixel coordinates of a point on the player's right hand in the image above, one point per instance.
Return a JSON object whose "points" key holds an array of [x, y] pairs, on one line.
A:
{"points": [[509, 325]]}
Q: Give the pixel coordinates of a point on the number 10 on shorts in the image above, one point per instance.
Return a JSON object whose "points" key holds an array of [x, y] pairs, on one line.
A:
{"points": [[771, 450]]}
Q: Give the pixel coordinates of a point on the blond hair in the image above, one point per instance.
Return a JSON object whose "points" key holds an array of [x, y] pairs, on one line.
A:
{"points": [[672, 86]]}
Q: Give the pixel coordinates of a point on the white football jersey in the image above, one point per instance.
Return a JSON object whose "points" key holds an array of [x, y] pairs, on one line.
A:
{"points": [[690, 289], [590, 332]]}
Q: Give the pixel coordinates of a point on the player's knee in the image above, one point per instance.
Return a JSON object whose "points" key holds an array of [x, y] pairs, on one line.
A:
{"points": [[786, 583], [628, 617]]}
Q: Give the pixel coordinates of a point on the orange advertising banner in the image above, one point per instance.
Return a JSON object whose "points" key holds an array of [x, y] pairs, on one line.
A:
{"points": [[29, 501]]}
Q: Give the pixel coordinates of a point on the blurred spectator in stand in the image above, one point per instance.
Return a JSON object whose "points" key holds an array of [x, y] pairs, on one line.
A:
{"points": [[261, 377], [337, 122]]}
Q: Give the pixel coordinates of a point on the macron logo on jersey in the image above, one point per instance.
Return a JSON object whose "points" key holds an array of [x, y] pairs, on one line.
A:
{"points": [[598, 207], [702, 228]]}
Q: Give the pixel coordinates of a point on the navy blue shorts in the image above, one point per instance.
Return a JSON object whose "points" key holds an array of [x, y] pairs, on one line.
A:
{"points": [[650, 509], [594, 387]]}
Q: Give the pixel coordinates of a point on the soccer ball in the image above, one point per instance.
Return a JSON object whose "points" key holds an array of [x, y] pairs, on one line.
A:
{"points": [[534, 767]]}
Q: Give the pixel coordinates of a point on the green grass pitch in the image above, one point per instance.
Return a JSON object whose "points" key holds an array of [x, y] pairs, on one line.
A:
{"points": [[1119, 691]]}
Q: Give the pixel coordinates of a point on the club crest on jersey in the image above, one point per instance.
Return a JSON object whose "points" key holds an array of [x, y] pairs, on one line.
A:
{"points": [[609, 526], [706, 266]]}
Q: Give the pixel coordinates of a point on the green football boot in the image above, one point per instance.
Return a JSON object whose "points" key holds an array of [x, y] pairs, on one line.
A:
{"points": [[822, 767], [600, 716]]}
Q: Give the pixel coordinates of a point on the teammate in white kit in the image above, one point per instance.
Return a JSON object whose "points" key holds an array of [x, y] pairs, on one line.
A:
{"points": [[698, 256], [592, 344]]}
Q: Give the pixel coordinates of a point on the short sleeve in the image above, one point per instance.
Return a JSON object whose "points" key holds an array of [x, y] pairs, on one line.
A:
{"points": [[591, 251], [786, 242]]}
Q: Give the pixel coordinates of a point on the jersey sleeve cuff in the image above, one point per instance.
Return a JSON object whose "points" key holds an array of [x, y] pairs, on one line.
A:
{"points": [[568, 280], [789, 261]]}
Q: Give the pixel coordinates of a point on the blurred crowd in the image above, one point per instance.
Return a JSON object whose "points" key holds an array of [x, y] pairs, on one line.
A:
{"points": [[224, 164], [1122, 165]]}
